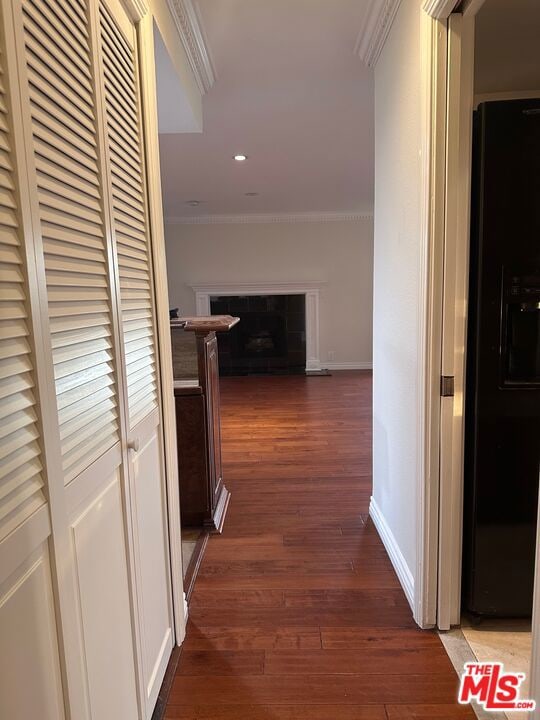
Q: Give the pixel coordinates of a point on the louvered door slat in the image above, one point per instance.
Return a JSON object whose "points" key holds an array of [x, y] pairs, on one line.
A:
{"points": [[70, 211], [82, 395], [54, 215], [20, 440], [73, 313], [53, 174], [14, 365], [130, 239], [122, 109], [130, 220], [124, 158], [91, 334], [63, 327], [21, 481], [73, 248], [6, 180], [52, 100], [126, 189], [4, 160], [65, 156], [121, 166], [59, 67], [80, 140], [125, 124], [10, 310], [13, 403], [99, 394], [64, 13], [60, 40], [14, 346], [75, 424], [17, 420], [58, 71], [81, 457], [132, 254], [117, 41]]}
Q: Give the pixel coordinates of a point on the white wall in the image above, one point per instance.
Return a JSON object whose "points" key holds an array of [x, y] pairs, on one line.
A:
{"points": [[178, 58], [396, 284], [338, 252]]}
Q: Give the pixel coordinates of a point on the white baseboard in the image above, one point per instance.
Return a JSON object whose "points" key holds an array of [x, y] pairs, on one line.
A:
{"points": [[359, 365], [394, 553]]}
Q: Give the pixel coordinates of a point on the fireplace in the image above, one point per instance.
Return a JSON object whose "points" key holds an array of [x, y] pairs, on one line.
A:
{"points": [[270, 338]]}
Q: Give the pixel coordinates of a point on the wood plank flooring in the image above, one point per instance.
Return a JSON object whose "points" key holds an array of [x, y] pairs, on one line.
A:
{"points": [[297, 613]]}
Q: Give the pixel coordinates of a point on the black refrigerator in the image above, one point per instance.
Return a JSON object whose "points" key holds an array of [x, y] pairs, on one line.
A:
{"points": [[502, 421]]}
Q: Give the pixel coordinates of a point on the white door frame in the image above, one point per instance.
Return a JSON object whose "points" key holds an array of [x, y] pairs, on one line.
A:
{"points": [[454, 311], [159, 261], [433, 70], [448, 50], [445, 594]]}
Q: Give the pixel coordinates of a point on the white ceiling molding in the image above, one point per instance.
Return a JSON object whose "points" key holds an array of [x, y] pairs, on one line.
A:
{"points": [[373, 35], [268, 218], [440, 9], [189, 25]]}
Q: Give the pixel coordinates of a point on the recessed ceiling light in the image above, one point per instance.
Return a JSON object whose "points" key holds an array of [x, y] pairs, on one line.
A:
{"points": [[251, 194], [193, 203], [240, 158]]}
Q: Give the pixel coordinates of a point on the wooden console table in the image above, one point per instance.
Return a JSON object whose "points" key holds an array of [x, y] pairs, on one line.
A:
{"points": [[203, 495]]}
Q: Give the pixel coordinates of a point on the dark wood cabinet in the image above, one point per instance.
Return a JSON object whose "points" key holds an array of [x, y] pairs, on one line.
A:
{"points": [[195, 505], [203, 495], [207, 353]]}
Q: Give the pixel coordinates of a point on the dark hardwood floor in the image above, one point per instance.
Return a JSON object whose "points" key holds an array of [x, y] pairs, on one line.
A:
{"points": [[297, 613]]}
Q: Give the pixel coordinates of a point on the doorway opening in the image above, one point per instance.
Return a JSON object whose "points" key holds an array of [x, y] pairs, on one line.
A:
{"points": [[489, 440], [269, 240]]}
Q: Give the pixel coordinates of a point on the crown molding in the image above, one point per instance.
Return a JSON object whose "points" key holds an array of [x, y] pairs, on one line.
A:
{"points": [[439, 9], [189, 25], [373, 35], [268, 218]]}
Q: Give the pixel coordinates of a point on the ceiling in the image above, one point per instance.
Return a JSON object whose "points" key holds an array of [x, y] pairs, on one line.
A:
{"points": [[291, 94]]}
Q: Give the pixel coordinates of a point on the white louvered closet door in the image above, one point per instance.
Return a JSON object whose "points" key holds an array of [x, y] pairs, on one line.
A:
{"points": [[67, 185], [124, 133], [129, 219], [27, 615], [76, 268]]}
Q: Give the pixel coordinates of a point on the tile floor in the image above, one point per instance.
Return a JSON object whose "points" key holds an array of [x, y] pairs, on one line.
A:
{"points": [[507, 641], [189, 541]]}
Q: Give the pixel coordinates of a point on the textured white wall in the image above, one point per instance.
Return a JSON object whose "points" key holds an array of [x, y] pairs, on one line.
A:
{"points": [[337, 252], [166, 26], [397, 278]]}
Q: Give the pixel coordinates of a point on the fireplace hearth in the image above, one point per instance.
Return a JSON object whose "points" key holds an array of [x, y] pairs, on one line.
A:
{"points": [[270, 338]]}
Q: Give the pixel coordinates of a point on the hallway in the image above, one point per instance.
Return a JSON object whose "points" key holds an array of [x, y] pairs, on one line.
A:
{"points": [[297, 613]]}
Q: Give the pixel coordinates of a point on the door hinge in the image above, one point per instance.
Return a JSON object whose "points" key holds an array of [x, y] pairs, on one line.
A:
{"points": [[447, 386]]}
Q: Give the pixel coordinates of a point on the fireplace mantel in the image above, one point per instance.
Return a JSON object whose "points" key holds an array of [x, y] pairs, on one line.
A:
{"points": [[204, 291]]}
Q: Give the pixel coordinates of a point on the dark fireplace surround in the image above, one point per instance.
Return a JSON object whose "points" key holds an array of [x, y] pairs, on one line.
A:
{"points": [[270, 338]]}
